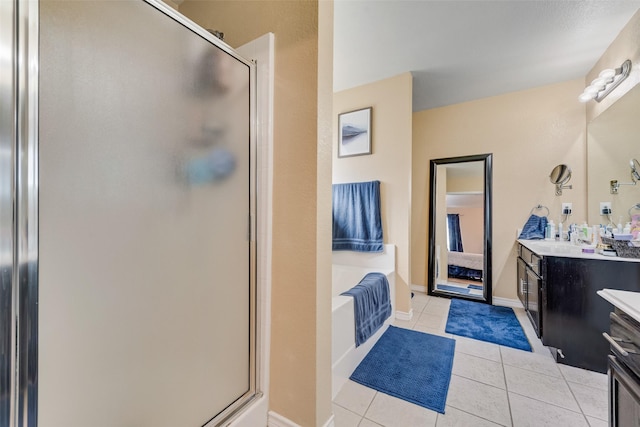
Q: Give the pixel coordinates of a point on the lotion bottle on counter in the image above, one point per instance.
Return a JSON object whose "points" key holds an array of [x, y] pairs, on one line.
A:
{"points": [[560, 231]]}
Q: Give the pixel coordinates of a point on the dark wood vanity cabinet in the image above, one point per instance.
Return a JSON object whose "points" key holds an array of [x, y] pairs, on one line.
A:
{"points": [[571, 315], [529, 285]]}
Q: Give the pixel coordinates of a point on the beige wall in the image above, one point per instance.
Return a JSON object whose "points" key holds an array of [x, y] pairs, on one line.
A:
{"points": [[300, 375], [471, 228], [458, 184], [324, 218], [390, 163], [528, 132]]}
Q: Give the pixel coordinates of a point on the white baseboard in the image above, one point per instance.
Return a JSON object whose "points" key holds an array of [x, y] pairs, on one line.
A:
{"points": [[277, 420], [507, 302], [330, 422], [254, 415], [401, 315]]}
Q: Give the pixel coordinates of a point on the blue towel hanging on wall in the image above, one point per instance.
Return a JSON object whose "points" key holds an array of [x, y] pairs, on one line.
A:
{"points": [[534, 228], [357, 224]]}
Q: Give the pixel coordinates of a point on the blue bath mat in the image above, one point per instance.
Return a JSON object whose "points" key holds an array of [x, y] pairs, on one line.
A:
{"points": [[409, 365], [486, 322], [476, 287], [456, 289]]}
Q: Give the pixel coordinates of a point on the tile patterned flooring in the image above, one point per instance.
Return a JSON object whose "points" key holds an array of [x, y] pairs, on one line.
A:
{"points": [[491, 385]]}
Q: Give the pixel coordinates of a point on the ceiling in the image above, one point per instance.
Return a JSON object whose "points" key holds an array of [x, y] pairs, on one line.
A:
{"points": [[459, 51]]}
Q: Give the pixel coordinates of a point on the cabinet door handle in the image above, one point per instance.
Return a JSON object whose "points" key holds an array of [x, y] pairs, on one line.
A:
{"points": [[614, 344]]}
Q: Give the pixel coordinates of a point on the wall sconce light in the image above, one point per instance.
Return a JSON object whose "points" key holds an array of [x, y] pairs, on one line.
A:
{"points": [[606, 82]]}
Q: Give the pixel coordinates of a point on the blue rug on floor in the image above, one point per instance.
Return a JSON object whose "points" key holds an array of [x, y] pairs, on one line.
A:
{"points": [[409, 365], [476, 287], [486, 322], [456, 289]]}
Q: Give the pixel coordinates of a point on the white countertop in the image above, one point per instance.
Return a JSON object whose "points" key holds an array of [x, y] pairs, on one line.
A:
{"points": [[627, 301], [566, 249]]}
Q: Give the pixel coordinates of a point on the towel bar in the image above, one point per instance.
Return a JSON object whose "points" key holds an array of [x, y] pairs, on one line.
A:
{"points": [[539, 207]]}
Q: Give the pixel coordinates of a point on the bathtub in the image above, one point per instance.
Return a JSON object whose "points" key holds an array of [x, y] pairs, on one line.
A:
{"points": [[348, 269]]}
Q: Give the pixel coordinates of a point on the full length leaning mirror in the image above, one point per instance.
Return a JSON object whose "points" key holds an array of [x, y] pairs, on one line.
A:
{"points": [[459, 264]]}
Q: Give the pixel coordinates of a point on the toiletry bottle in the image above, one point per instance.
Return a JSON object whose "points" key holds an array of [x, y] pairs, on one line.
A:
{"points": [[584, 235], [609, 231], [627, 229], [620, 229], [552, 230], [559, 234], [571, 234]]}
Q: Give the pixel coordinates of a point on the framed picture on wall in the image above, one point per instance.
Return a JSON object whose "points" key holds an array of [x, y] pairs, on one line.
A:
{"points": [[354, 133]]}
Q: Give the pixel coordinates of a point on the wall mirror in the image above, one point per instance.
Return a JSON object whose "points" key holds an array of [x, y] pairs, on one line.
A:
{"points": [[613, 140], [459, 263]]}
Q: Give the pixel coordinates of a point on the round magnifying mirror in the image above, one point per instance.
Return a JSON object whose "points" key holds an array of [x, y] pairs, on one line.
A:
{"points": [[560, 174], [635, 169]]}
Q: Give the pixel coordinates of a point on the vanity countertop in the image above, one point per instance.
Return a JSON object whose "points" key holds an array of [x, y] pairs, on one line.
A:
{"points": [[627, 301], [566, 249]]}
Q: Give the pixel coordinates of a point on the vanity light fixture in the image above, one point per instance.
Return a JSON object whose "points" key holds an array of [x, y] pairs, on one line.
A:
{"points": [[606, 82]]}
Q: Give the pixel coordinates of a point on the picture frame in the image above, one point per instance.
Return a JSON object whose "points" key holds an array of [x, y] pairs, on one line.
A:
{"points": [[354, 133]]}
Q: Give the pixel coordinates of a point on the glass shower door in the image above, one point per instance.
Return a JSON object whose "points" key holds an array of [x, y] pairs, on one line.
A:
{"points": [[146, 290]]}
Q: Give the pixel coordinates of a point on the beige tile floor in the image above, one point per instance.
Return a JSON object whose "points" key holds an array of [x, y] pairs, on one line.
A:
{"points": [[491, 385]]}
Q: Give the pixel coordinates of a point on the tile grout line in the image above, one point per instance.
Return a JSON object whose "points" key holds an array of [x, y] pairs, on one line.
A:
{"points": [[575, 398], [476, 415], [369, 407], [552, 404], [562, 376], [349, 410], [506, 385]]}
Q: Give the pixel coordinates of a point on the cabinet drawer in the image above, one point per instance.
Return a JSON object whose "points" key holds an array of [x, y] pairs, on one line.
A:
{"points": [[531, 259], [625, 332]]}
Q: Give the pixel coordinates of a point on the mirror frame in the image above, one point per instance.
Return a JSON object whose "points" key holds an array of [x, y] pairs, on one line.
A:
{"points": [[488, 197]]}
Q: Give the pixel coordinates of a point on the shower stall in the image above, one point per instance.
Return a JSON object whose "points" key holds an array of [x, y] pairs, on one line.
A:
{"points": [[127, 218]]}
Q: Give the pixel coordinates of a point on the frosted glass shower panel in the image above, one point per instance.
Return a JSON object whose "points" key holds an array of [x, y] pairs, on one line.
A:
{"points": [[144, 204]]}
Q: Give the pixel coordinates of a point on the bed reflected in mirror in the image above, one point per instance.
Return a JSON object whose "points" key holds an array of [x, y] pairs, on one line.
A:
{"points": [[459, 262]]}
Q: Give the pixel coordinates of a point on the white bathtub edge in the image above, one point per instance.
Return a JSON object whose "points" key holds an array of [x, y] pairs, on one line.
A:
{"points": [[345, 365]]}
